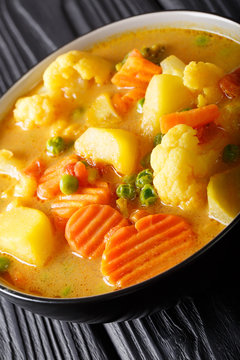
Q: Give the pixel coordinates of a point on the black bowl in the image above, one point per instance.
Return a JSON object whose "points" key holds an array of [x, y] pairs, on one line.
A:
{"points": [[214, 265]]}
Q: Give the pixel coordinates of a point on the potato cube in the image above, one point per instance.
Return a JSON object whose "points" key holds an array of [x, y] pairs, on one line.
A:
{"points": [[102, 113], [165, 94], [26, 234], [116, 147], [173, 66], [224, 195]]}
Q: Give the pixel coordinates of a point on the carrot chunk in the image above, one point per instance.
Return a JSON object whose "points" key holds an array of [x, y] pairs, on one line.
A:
{"points": [[35, 169], [136, 74], [49, 187], [194, 118], [66, 205], [86, 229], [230, 84], [79, 170], [137, 71], [138, 252]]}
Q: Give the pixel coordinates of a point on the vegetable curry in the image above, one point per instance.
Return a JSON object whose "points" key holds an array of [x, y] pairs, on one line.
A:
{"points": [[121, 163]]}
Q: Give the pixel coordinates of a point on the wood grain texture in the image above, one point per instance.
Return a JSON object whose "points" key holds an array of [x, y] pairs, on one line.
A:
{"points": [[206, 326]]}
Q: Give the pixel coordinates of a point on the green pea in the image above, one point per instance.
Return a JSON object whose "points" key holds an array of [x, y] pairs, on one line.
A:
{"points": [[145, 162], [4, 263], [126, 191], [68, 184], [143, 178], [158, 139], [129, 179], [202, 40], [93, 174], [148, 195], [55, 145], [140, 105], [153, 53], [230, 153]]}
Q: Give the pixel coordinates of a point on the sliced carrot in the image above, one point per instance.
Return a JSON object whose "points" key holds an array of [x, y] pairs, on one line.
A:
{"points": [[137, 215], [230, 84], [86, 229], [195, 117], [121, 104], [66, 205], [48, 187], [138, 252], [136, 72], [79, 170], [35, 169]]}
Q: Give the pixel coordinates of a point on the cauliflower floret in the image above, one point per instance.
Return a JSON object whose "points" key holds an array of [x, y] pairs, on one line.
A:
{"points": [[181, 168], [203, 78], [70, 72], [34, 111], [26, 186]]}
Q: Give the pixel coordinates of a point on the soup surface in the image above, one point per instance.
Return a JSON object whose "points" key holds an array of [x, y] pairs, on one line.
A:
{"points": [[130, 153]]}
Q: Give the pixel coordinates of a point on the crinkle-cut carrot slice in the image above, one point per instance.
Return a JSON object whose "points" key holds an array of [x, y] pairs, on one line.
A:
{"points": [[66, 205], [230, 84], [49, 187], [136, 72], [87, 227], [138, 252]]}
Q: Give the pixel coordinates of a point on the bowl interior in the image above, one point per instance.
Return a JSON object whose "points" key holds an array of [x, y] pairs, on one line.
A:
{"points": [[173, 19]]}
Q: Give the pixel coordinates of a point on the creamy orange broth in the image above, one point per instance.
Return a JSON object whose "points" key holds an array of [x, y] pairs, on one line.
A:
{"points": [[66, 274]]}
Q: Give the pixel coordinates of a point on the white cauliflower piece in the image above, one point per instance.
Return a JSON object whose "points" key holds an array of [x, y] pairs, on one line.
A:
{"points": [[203, 78], [34, 111], [181, 168], [70, 72], [26, 185], [200, 75]]}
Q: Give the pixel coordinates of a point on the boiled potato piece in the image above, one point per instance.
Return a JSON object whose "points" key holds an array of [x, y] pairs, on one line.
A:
{"points": [[26, 234], [9, 165], [172, 65], [224, 195], [165, 94], [112, 146], [102, 113]]}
